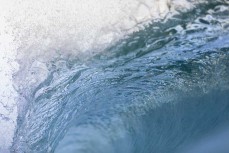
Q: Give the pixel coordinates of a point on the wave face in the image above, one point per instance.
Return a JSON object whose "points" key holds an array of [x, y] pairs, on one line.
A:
{"points": [[159, 88]]}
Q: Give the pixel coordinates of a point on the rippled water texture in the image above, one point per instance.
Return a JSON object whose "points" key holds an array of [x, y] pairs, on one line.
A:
{"points": [[162, 87]]}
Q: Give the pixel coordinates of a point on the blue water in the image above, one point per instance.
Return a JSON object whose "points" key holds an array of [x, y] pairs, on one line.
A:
{"points": [[164, 89]]}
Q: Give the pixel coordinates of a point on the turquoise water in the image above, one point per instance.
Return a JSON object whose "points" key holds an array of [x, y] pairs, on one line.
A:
{"points": [[164, 89]]}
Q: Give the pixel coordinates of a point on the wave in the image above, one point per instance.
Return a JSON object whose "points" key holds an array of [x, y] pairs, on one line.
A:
{"points": [[114, 79]]}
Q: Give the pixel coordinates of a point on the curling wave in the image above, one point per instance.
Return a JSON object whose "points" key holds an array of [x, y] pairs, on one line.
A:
{"points": [[153, 78]]}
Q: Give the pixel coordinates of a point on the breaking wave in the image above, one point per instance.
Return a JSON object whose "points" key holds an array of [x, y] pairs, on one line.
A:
{"points": [[152, 79]]}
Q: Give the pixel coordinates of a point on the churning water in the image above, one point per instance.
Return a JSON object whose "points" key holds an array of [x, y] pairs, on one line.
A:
{"points": [[154, 80]]}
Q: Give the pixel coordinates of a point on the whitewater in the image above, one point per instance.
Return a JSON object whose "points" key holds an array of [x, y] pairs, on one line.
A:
{"points": [[107, 76]]}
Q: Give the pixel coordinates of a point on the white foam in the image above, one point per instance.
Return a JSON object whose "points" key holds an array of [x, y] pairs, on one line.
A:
{"points": [[79, 25], [8, 65]]}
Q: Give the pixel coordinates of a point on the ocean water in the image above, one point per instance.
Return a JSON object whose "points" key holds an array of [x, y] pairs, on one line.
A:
{"points": [[155, 80]]}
